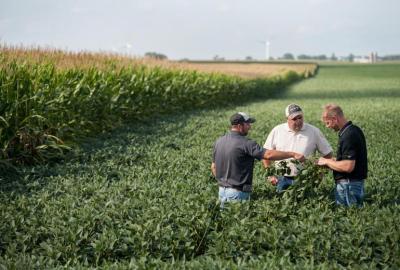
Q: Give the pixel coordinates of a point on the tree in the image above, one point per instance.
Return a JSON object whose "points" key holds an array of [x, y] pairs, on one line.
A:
{"points": [[249, 58], [304, 56], [333, 57], [218, 58], [155, 55], [321, 57], [288, 56], [393, 57], [351, 57]]}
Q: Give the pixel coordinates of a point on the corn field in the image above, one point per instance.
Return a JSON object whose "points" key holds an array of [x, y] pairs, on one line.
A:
{"points": [[46, 104]]}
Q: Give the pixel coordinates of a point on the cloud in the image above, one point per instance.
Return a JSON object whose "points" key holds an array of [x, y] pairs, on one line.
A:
{"points": [[224, 8], [146, 6], [316, 2], [302, 29], [5, 23], [79, 10]]}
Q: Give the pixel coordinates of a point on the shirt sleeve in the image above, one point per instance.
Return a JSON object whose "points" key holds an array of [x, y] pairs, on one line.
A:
{"points": [[323, 145], [270, 142], [349, 149], [253, 149]]}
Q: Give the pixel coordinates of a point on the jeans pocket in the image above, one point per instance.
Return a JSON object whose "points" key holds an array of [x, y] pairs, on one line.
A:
{"points": [[341, 194], [232, 195], [356, 191]]}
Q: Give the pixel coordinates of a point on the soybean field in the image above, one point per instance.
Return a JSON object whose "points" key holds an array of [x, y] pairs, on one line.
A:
{"points": [[142, 196]]}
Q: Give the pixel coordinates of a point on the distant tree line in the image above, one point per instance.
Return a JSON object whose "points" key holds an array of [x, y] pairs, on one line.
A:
{"points": [[218, 58], [155, 55], [314, 57], [287, 56], [394, 57], [333, 57]]}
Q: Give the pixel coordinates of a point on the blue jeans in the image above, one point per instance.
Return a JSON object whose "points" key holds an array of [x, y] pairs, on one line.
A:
{"points": [[283, 183], [227, 194], [349, 193]]}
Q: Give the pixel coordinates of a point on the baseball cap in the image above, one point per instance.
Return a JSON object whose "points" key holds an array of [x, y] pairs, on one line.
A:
{"points": [[293, 110], [240, 118]]}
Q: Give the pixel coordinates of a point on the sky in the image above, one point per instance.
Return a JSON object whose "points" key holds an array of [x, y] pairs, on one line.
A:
{"points": [[204, 29]]}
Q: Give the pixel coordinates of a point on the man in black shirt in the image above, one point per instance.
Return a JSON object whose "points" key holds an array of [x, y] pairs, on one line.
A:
{"points": [[350, 167], [233, 159]]}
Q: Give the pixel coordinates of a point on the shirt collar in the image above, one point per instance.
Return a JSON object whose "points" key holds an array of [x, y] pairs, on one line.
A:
{"points": [[344, 128], [234, 132], [289, 130]]}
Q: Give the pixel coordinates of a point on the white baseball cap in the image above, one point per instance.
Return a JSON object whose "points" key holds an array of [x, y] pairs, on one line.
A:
{"points": [[293, 110]]}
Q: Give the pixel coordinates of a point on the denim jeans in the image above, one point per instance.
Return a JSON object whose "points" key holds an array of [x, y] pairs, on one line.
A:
{"points": [[227, 194], [283, 183], [349, 193]]}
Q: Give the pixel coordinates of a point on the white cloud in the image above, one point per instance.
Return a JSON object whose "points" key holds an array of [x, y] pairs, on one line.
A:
{"points": [[316, 2], [302, 29], [224, 7], [79, 10]]}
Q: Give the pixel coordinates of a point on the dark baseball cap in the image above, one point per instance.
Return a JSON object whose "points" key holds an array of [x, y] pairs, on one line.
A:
{"points": [[240, 118]]}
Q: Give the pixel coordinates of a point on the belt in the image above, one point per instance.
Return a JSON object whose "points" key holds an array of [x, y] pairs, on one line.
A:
{"points": [[235, 188], [289, 177], [342, 180], [346, 180]]}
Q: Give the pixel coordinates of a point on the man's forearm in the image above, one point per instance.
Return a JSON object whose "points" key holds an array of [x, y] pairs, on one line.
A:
{"points": [[278, 155], [213, 170], [346, 166]]}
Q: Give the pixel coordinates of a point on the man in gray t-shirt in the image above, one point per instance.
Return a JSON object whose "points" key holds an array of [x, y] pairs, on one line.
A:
{"points": [[233, 159]]}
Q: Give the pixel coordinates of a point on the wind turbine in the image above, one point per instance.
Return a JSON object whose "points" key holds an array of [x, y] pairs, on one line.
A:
{"points": [[267, 54], [124, 49], [128, 47], [267, 48]]}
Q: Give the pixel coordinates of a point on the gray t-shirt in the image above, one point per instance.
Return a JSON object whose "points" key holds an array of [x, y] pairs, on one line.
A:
{"points": [[234, 156]]}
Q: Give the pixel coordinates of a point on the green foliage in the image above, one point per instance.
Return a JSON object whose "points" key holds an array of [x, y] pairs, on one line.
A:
{"points": [[41, 107], [141, 197], [156, 55], [307, 183], [288, 56]]}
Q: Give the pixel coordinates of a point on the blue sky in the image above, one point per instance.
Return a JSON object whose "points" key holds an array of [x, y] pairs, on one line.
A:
{"points": [[201, 29]]}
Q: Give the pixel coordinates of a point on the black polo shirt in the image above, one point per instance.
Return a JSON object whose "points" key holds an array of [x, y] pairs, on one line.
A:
{"points": [[352, 146], [234, 156]]}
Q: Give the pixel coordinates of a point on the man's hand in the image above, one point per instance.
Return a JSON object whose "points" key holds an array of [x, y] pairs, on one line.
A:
{"points": [[299, 157], [322, 161], [273, 180]]}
